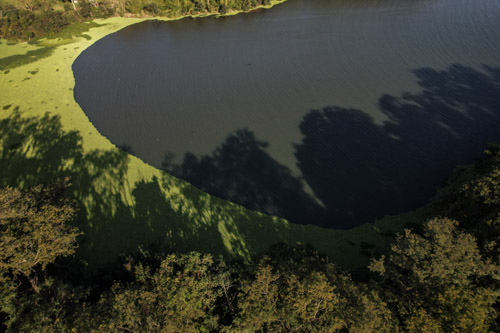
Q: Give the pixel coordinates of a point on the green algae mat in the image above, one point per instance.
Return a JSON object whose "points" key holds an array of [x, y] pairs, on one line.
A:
{"points": [[125, 203]]}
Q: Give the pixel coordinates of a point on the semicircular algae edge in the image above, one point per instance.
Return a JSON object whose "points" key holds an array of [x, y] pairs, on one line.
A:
{"points": [[124, 202]]}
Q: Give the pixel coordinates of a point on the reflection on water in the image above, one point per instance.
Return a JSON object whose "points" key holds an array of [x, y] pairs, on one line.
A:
{"points": [[282, 112]]}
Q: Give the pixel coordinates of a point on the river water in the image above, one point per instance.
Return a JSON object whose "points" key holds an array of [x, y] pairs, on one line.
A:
{"points": [[324, 112]]}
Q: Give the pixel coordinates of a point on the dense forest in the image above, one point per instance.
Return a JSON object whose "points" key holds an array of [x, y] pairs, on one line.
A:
{"points": [[441, 275], [27, 19]]}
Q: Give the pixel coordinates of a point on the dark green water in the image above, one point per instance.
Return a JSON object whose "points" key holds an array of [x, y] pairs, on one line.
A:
{"points": [[324, 112]]}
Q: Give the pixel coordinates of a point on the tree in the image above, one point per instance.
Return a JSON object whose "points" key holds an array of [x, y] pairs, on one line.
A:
{"points": [[438, 281], [257, 301], [74, 6], [362, 308], [296, 289], [472, 195], [177, 296], [33, 234]]}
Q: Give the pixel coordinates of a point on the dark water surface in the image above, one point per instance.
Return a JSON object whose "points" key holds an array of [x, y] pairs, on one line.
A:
{"points": [[324, 112]]}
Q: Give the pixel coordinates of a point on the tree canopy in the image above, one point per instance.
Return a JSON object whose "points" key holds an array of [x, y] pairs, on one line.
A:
{"points": [[438, 281], [34, 232], [436, 278]]}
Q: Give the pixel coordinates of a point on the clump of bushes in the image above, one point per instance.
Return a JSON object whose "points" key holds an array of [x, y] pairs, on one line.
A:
{"points": [[25, 20], [24, 24], [28, 19]]}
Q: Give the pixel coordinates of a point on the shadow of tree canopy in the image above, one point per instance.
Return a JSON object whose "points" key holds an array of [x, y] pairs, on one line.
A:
{"points": [[24, 59], [362, 171], [66, 36], [118, 217], [241, 171], [357, 169], [35, 150]]}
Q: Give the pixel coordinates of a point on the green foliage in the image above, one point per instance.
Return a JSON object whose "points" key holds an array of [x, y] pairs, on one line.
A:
{"points": [[57, 308], [28, 19], [433, 282], [258, 301], [296, 289], [177, 296], [134, 6], [438, 281], [472, 196], [26, 24], [33, 234], [363, 309]]}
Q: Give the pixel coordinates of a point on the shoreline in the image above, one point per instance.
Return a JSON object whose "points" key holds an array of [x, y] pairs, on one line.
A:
{"points": [[216, 14], [113, 200], [147, 17]]}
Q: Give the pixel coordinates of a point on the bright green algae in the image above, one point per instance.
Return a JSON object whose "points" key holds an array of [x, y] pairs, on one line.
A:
{"points": [[126, 203]]}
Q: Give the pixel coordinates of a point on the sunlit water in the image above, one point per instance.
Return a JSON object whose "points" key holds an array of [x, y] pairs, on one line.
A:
{"points": [[402, 85]]}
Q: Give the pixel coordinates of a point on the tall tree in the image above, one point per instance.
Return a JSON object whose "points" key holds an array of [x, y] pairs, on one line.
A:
{"points": [[33, 234], [438, 281], [472, 195], [296, 289], [177, 296]]}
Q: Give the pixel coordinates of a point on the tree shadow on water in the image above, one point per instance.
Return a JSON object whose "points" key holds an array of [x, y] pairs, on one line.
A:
{"points": [[240, 170], [357, 169], [362, 171]]}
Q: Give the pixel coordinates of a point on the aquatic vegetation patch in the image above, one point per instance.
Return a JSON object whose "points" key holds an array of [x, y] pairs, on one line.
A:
{"points": [[126, 203]]}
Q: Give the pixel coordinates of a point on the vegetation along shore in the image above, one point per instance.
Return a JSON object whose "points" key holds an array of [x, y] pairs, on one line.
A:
{"points": [[28, 19]]}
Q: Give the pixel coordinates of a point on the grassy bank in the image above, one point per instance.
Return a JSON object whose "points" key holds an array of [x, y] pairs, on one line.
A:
{"points": [[125, 203]]}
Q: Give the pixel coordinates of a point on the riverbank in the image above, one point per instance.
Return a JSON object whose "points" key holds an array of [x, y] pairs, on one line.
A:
{"points": [[126, 203], [216, 14], [46, 20]]}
